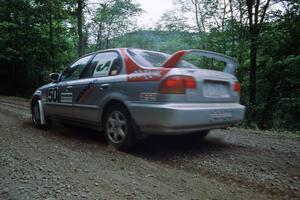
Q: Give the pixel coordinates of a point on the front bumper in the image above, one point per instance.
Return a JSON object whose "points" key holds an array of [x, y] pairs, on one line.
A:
{"points": [[180, 118]]}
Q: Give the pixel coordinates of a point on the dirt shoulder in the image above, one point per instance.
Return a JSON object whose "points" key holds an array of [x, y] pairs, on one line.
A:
{"points": [[67, 162]]}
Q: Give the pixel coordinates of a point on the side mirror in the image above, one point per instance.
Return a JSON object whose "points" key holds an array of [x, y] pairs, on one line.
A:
{"points": [[54, 77]]}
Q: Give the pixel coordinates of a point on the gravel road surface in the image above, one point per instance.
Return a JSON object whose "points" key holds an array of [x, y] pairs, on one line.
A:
{"points": [[67, 162]]}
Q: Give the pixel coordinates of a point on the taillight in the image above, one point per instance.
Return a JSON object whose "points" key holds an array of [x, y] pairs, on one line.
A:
{"points": [[177, 84], [236, 87]]}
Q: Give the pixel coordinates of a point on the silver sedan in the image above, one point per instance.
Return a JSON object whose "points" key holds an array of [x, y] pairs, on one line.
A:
{"points": [[129, 93]]}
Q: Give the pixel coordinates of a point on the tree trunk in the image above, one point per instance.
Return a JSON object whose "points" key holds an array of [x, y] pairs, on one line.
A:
{"points": [[98, 45], [253, 53], [51, 42], [255, 27], [79, 27], [199, 14], [253, 66], [241, 32], [233, 38]]}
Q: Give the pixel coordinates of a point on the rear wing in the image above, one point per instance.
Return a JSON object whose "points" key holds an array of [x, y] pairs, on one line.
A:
{"points": [[230, 62]]}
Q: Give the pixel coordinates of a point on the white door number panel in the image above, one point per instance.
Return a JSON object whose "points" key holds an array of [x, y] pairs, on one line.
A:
{"points": [[52, 95]]}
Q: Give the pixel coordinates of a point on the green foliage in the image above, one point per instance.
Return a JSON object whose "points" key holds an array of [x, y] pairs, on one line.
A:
{"points": [[278, 73], [40, 36], [111, 19], [27, 53]]}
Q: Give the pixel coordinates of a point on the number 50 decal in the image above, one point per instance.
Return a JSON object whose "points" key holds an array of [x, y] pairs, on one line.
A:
{"points": [[52, 95]]}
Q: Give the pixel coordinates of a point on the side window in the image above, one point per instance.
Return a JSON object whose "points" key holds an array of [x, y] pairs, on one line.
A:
{"points": [[75, 70], [106, 64]]}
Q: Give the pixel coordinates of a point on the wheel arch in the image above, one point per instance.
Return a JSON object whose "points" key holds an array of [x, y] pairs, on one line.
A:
{"points": [[110, 103], [116, 101], [34, 100]]}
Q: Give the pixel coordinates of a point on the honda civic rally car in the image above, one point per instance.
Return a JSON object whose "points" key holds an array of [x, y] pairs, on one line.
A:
{"points": [[128, 93]]}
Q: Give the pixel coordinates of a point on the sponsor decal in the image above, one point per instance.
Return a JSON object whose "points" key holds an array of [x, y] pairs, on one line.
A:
{"points": [[144, 74], [148, 96], [66, 97], [220, 116]]}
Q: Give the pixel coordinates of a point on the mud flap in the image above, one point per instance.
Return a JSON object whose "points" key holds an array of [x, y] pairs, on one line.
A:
{"points": [[42, 115]]}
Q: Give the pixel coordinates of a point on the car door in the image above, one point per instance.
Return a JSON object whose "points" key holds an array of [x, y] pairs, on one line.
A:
{"points": [[94, 84], [61, 95]]}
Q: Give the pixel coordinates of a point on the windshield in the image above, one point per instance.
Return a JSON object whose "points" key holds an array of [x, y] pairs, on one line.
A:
{"points": [[154, 58]]}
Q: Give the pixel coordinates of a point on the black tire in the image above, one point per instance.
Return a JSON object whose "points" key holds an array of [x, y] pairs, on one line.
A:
{"points": [[36, 118], [119, 127], [200, 135], [35, 115]]}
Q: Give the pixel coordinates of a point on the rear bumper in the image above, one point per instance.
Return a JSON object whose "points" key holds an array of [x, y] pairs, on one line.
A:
{"points": [[180, 118]]}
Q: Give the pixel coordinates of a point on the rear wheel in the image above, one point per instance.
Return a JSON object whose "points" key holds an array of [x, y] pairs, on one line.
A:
{"points": [[119, 127], [203, 134], [200, 135]]}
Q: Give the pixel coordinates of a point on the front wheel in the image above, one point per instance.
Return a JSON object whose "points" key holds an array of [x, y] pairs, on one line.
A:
{"points": [[119, 128], [36, 115]]}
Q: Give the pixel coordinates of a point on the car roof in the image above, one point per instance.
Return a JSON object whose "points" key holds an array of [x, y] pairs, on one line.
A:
{"points": [[116, 49], [104, 50]]}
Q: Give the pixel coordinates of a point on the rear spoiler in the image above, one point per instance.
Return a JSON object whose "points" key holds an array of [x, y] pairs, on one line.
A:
{"points": [[231, 63]]}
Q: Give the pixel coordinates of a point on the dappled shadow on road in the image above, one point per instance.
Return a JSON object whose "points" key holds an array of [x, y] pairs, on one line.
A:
{"points": [[154, 147], [71, 133], [164, 148], [84, 135]]}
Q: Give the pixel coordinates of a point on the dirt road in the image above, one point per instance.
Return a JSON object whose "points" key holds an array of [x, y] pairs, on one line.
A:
{"points": [[67, 162]]}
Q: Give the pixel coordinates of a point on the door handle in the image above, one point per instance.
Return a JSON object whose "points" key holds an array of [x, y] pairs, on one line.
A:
{"points": [[69, 88], [104, 86]]}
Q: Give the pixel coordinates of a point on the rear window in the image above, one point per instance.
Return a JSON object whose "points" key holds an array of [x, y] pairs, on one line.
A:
{"points": [[148, 58], [202, 61]]}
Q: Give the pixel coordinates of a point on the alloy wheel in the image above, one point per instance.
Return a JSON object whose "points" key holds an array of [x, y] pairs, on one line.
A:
{"points": [[116, 127]]}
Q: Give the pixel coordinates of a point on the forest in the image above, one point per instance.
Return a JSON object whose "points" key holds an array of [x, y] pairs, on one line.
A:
{"points": [[38, 37]]}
